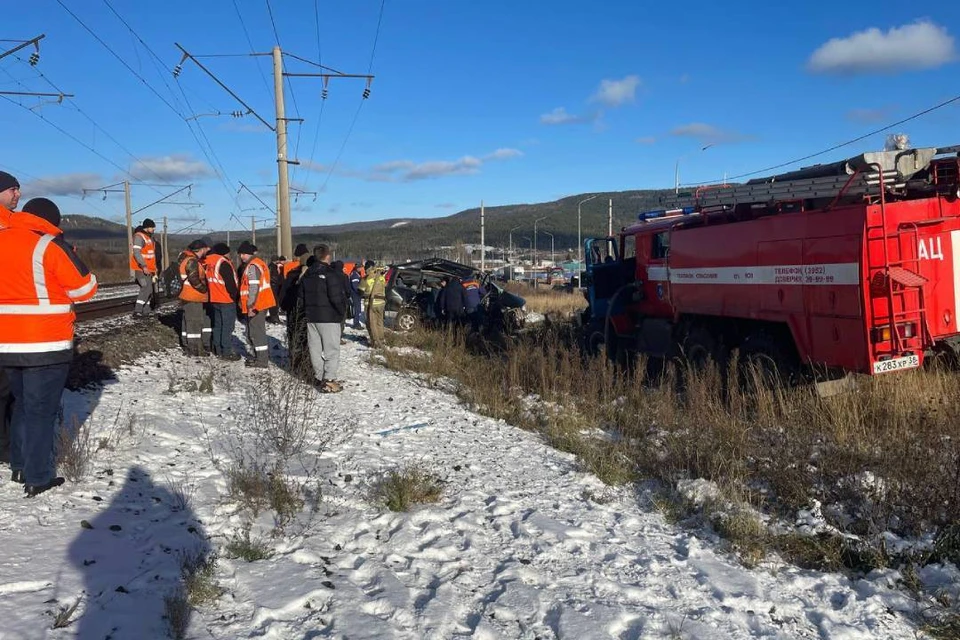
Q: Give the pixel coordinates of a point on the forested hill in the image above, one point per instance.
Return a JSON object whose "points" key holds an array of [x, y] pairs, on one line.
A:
{"points": [[402, 238]]}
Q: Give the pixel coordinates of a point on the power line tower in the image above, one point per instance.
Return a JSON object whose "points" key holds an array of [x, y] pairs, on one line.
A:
{"points": [[285, 234]]}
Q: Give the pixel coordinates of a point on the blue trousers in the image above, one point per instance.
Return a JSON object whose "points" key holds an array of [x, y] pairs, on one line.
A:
{"points": [[224, 317], [357, 315], [36, 402]]}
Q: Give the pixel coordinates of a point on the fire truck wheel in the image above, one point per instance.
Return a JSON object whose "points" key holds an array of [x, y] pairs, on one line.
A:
{"points": [[763, 360], [701, 347]]}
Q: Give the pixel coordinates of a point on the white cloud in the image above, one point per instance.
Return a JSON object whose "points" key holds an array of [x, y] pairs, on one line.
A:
{"points": [[561, 116], [503, 154], [646, 140], [707, 133], [68, 184], [920, 45], [445, 205], [614, 93], [172, 168], [409, 171], [868, 116]]}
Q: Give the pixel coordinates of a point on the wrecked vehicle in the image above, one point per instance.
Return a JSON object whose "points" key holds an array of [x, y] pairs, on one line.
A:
{"points": [[412, 290]]}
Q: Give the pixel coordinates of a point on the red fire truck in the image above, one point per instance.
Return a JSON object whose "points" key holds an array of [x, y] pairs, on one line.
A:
{"points": [[851, 266]]}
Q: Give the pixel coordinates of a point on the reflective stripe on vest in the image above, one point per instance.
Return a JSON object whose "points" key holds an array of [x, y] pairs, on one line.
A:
{"points": [[187, 291], [265, 298], [149, 253], [215, 283]]}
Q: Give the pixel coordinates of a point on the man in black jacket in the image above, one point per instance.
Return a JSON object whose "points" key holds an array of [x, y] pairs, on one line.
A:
{"points": [[325, 305], [450, 302]]}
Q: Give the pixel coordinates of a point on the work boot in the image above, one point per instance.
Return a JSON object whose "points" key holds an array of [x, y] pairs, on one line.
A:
{"points": [[230, 357], [16, 476], [33, 490], [330, 386], [257, 364]]}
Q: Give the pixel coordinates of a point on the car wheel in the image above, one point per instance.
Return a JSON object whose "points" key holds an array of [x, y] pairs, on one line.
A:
{"points": [[406, 321]]}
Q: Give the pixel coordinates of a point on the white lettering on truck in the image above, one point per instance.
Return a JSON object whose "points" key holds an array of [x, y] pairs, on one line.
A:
{"points": [[930, 249]]}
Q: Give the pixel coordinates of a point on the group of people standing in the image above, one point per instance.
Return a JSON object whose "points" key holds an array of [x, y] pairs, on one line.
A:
{"points": [[315, 292], [43, 277], [213, 294]]}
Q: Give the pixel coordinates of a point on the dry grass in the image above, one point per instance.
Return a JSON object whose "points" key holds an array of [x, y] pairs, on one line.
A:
{"points": [[883, 458], [546, 300], [75, 449], [402, 489]]}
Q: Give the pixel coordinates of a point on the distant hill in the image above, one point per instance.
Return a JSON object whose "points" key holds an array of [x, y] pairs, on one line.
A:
{"points": [[402, 238]]}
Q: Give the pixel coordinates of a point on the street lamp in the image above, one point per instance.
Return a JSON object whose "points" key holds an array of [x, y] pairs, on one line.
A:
{"points": [[552, 257], [535, 251], [676, 173], [510, 250], [579, 240]]}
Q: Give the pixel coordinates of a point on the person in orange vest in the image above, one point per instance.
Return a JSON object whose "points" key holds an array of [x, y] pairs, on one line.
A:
{"points": [[256, 298], [9, 198], [222, 285], [193, 296], [143, 261], [43, 277]]}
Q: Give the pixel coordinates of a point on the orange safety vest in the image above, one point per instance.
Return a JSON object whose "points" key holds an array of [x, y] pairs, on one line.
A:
{"points": [[149, 253], [215, 283], [42, 279], [265, 299], [187, 291], [5, 217], [289, 266]]}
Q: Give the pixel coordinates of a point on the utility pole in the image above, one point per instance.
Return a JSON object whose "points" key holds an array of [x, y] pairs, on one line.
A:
{"points": [[253, 230], [129, 207], [610, 219], [164, 247], [483, 241], [279, 252], [285, 239]]}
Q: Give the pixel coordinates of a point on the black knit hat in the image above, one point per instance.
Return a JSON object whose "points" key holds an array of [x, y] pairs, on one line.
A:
{"points": [[148, 223], [7, 181], [368, 265], [247, 248], [43, 208], [300, 250], [221, 249], [198, 244]]}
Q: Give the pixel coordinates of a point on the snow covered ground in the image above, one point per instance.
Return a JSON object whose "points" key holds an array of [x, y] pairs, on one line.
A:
{"points": [[522, 544]]}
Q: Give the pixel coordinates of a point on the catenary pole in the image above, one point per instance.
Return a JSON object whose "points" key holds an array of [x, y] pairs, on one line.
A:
{"points": [[285, 241]]}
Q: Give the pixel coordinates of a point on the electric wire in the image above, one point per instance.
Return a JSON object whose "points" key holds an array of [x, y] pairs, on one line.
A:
{"points": [[246, 33], [848, 142], [293, 96], [323, 103]]}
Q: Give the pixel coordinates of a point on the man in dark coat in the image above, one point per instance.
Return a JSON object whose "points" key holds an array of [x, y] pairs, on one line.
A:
{"points": [[450, 302], [275, 266], [323, 294], [291, 305]]}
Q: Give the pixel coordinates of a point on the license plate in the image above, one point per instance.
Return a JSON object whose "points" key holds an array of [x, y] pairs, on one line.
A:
{"points": [[896, 364]]}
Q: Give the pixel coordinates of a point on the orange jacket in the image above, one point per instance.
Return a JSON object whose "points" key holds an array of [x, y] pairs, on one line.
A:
{"points": [[189, 293], [289, 266], [219, 293], [265, 299], [42, 278], [148, 252], [5, 217]]}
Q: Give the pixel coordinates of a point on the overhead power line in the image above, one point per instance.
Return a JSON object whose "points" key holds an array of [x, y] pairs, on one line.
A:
{"points": [[848, 142]]}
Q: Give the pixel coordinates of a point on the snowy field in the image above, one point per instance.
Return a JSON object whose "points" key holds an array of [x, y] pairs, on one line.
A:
{"points": [[522, 544]]}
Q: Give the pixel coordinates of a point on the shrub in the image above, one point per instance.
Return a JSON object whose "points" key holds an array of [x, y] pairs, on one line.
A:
{"points": [[401, 489], [75, 449]]}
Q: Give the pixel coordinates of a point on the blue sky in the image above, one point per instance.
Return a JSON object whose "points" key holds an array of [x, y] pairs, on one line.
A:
{"points": [[508, 102]]}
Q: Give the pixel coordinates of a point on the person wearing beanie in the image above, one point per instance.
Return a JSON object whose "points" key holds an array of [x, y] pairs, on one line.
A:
{"points": [[193, 296], [224, 295], [355, 278], [300, 255], [256, 298], [43, 278], [9, 197], [143, 262]]}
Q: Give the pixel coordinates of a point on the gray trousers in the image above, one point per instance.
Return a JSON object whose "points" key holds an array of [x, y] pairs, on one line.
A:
{"points": [[191, 331], [323, 340], [257, 335], [145, 282]]}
